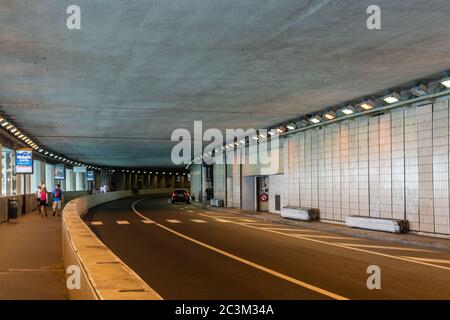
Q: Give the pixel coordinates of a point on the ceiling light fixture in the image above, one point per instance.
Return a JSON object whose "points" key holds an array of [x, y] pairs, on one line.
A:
{"points": [[291, 126], [315, 119], [330, 115], [419, 90], [392, 98], [348, 110], [446, 82], [281, 129], [367, 105]]}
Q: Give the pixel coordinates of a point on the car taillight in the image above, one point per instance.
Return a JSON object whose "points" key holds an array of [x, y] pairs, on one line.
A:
{"points": [[186, 194], [173, 194]]}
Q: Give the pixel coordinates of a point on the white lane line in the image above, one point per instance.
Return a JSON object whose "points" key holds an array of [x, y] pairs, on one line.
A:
{"points": [[173, 221], [96, 223], [339, 245], [320, 237], [252, 264], [122, 222], [191, 211], [430, 260], [291, 229], [133, 207], [148, 221], [198, 221], [383, 247], [248, 220], [222, 220]]}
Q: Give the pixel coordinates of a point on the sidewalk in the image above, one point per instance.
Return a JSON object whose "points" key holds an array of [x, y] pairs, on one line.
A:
{"points": [[31, 259], [408, 239]]}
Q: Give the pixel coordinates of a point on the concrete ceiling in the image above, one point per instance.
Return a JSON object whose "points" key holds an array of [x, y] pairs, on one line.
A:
{"points": [[112, 92]]}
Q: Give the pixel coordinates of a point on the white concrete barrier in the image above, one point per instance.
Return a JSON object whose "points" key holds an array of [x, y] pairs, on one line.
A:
{"points": [[298, 213], [103, 275], [378, 224], [216, 202]]}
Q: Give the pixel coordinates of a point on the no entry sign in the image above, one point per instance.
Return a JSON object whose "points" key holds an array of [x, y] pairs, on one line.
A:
{"points": [[264, 197]]}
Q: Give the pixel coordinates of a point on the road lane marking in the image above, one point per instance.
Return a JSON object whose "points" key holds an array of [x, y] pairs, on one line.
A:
{"points": [[383, 247], [247, 262], [122, 222], [173, 221], [148, 221], [291, 229], [430, 260], [257, 266], [198, 221], [96, 223], [137, 212], [320, 236], [248, 220], [222, 220], [191, 211], [339, 245]]}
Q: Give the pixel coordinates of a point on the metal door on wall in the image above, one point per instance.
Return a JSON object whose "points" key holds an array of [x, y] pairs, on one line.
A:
{"points": [[262, 193]]}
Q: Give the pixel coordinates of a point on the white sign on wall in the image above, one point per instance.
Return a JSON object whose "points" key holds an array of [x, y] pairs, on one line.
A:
{"points": [[79, 169]]}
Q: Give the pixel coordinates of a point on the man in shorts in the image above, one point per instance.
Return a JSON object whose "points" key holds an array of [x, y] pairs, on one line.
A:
{"points": [[58, 198]]}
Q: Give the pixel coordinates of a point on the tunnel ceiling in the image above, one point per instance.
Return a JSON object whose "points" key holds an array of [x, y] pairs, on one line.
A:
{"points": [[112, 92]]}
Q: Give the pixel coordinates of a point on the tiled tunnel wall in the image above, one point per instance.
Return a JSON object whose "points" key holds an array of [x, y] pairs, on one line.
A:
{"points": [[393, 165]]}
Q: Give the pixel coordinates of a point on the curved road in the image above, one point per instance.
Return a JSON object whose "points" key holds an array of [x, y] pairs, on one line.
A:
{"points": [[185, 252]]}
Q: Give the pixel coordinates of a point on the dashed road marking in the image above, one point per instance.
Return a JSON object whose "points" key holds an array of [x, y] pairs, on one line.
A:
{"points": [[198, 221], [148, 221], [96, 223], [248, 220], [250, 263], [173, 221], [122, 222], [222, 220], [191, 211]]}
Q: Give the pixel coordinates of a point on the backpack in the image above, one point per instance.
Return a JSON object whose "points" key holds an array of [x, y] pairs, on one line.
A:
{"points": [[57, 193]]}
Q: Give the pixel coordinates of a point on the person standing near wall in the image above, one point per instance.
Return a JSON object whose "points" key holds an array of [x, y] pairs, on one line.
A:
{"points": [[57, 196]]}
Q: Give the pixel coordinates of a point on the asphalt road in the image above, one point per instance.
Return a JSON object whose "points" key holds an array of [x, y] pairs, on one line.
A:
{"points": [[186, 252]]}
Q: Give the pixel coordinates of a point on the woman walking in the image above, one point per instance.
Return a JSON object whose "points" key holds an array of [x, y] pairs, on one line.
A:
{"points": [[44, 201]]}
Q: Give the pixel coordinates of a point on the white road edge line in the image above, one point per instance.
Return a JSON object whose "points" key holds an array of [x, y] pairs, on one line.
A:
{"points": [[247, 262]]}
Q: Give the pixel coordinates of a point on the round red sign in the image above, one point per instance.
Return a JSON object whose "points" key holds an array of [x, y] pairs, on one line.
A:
{"points": [[264, 197]]}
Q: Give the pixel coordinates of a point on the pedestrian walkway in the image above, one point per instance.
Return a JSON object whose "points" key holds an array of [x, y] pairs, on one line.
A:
{"points": [[31, 265], [408, 239]]}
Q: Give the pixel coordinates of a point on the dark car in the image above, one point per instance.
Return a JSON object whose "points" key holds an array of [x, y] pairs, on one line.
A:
{"points": [[180, 196]]}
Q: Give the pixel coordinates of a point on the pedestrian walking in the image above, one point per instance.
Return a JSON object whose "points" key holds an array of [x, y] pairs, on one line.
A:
{"points": [[57, 196], [38, 198], [44, 201]]}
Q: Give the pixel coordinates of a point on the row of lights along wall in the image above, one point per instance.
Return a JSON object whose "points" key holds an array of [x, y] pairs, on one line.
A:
{"points": [[394, 98], [18, 134], [10, 128]]}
